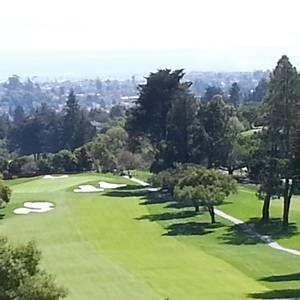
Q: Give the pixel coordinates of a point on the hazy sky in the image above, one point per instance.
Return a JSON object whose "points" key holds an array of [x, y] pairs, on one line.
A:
{"points": [[255, 31]]}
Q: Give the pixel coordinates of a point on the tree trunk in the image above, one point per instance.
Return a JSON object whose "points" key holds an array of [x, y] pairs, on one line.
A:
{"points": [[286, 209], [266, 208], [230, 170], [287, 195], [211, 211], [196, 208]]}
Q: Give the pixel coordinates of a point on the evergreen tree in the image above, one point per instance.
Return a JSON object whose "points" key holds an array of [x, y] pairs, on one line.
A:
{"points": [[234, 94], [282, 120], [149, 117], [77, 129]]}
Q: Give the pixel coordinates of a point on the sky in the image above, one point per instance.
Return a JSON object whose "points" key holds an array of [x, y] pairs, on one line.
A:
{"points": [[134, 36]]}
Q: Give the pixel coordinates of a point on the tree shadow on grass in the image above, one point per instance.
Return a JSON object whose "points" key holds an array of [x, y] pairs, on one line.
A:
{"points": [[192, 228], [125, 193], [167, 216], [156, 198], [246, 234], [130, 187], [239, 235], [277, 294], [285, 277], [185, 204], [273, 228]]}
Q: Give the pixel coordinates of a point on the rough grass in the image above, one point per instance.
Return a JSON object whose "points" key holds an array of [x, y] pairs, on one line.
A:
{"points": [[126, 245]]}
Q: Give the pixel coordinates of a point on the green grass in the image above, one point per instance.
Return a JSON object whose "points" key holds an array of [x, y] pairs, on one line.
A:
{"points": [[122, 245]]}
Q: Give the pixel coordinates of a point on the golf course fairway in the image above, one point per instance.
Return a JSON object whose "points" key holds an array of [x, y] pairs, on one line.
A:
{"points": [[117, 245]]}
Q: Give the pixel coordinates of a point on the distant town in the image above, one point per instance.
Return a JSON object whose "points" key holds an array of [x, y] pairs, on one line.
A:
{"points": [[104, 94]]}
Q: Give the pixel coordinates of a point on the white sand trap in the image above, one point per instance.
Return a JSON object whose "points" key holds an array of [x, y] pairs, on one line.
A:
{"points": [[38, 205], [55, 176], [87, 189], [22, 211], [106, 185], [34, 207], [153, 189]]}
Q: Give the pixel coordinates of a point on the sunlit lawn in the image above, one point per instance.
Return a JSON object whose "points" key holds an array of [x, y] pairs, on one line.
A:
{"points": [[121, 245]]}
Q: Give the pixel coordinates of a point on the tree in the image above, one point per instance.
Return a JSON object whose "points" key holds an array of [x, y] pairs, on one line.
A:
{"points": [[169, 178], [127, 160], [104, 160], [282, 119], [234, 94], [270, 185], [117, 111], [21, 277], [64, 161], [83, 159], [215, 117], [181, 127], [149, 116], [211, 92], [232, 150], [19, 114], [204, 187], [5, 193], [77, 129], [260, 91]]}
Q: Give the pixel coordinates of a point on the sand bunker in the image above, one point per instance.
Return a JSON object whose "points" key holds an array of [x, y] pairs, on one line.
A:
{"points": [[153, 189], [87, 189], [34, 207], [106, 185], [55, 176]]}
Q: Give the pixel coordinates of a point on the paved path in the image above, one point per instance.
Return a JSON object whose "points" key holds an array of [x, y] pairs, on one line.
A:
{"points": [[264, 238]]}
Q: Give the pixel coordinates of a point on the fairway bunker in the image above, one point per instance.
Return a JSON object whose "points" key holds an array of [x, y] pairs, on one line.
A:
{"points": [[87, 189], [55, 176], [106, 185], [34, 207]]}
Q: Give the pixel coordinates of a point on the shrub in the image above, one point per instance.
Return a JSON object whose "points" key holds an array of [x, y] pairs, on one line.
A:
{"points": [[21, 277]]}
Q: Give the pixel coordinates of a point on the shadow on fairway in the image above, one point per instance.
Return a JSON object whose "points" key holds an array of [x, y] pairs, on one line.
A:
{"points": [[277, 294], [192, 228], [285, 277], [273, 228], [243, 234], [125, 193], [239, 235], [168, 216]]}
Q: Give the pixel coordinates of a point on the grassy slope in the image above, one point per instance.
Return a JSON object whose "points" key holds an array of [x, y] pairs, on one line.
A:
{"points": [[108, 247]]}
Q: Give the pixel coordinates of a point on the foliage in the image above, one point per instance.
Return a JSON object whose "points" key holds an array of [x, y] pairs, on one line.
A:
{"points": [[205, 187], [21, 277], [149, 117], [211, 92], [63, 161], [5, 193]]}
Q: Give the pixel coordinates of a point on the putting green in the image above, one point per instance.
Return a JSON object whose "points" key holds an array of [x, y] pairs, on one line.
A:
{"points": [[114, 246]]}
